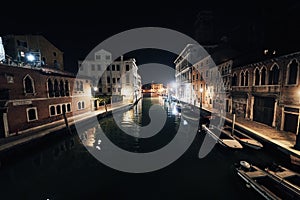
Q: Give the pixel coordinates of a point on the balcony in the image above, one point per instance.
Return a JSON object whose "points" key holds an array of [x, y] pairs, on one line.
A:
{"points": [[266, 89], [257, 89]]}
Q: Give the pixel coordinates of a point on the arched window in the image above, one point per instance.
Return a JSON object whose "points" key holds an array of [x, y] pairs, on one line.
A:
{"points": [[62, 88], [247, 78], [82, 104], [58, 109], [50, 88], [242, 78], [64, 110], [274, 75], [28, 85], [293, 72], [234, 80], [56, 88], [263, 76], [69, 107], [79, 105], [256, 76], [52, 110], [67, 88]]}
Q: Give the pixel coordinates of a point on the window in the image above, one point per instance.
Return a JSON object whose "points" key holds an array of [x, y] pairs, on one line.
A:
{"points": [[119, 89], [31, 114], [100, 90], [58, 109], [114, 80], [263, 76], [93, 67], [127, 78], [108, 90], [118, 80], [107, 57], [64, 109], [50, 88], [98, 57], [108, 79], [242, 78], [62, 88], [67, 88], [108, 68], [113, 67], [247, 78], [80, 105], [52, 110], [99, 67], [118, 67], [68, 107], [256, 76], [54, 54], [28, 85], [81, 86], [127, 67], [56, 88], [292, 72], [234, 80], [274, 75], [197, 76]]}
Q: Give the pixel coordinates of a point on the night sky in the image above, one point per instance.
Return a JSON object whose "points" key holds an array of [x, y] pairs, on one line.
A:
{"points": [[78, 27]]}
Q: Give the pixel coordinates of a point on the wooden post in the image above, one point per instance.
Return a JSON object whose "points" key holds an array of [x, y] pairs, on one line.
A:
{"points": [[66, 121], [233, 123]]}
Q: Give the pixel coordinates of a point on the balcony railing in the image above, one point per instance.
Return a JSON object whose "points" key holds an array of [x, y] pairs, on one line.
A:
{"points": [[257, 89]]}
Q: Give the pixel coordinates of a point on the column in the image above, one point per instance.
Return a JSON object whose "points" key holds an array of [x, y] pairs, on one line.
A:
{"points": [[282, 118], [247, 107], [5, 123], [251, 107], [275, 111]]}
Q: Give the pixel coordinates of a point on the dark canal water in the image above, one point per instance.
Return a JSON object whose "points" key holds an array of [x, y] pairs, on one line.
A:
{"points": [[60, 167]]}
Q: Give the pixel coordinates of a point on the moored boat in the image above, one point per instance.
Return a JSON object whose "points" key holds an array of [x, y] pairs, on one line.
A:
{"points": [[243, 138], [222, 138], [266, 184]]}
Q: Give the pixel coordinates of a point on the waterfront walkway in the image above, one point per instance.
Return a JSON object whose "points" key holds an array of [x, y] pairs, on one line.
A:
{"points": [[284, 141], [40, 131]]}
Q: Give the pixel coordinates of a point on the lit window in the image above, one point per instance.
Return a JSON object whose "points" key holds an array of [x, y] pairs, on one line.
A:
{"points": [[31, 114]]}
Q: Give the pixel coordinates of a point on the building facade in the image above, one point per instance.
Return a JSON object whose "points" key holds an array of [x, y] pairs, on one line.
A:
{"points": [[119, 79], [269, 92], [34, 97], [34, 50]]}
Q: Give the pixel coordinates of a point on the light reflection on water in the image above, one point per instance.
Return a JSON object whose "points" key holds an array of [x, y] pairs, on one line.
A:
{"points": [[63, 168]]}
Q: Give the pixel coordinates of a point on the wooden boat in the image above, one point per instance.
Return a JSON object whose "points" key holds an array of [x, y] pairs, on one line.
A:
{"points": [[243, 138], [284, 174], [224, 139], [265, 184]]}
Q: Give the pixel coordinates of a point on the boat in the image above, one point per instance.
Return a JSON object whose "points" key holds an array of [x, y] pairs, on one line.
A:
{"points": [[243, 138], [224, 139], [285, 174], [266, 184]]}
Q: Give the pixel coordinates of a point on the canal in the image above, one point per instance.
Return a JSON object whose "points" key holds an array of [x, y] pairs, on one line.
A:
{"points": [[61, 167]]}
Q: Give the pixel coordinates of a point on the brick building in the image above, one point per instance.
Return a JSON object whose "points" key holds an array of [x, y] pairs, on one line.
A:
{"points": [[33, 97], [42, 52]]}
